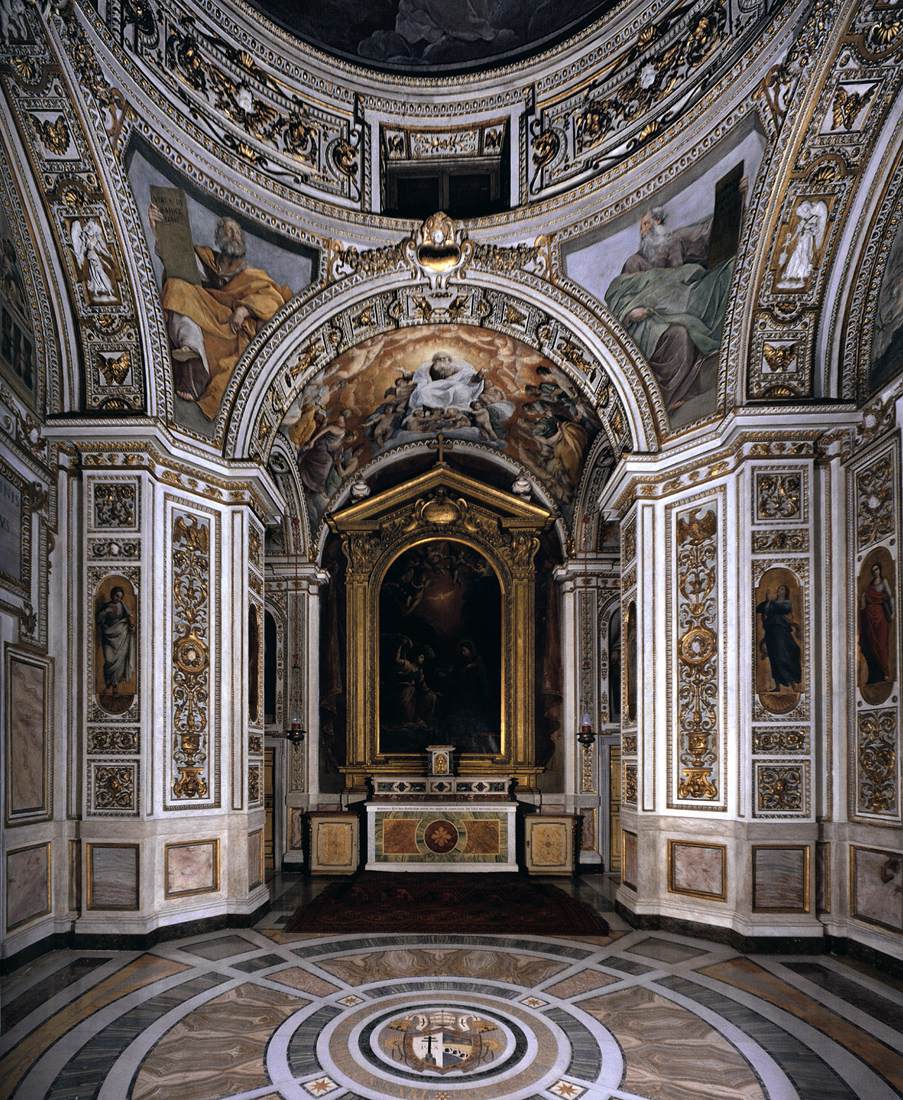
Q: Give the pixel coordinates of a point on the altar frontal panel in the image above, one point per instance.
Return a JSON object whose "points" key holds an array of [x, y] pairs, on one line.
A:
{"points": [[415, 838]]}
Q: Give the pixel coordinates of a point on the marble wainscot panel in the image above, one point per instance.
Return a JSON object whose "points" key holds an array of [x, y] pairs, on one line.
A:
{"points": [[191, 867], [629, 859], [876, 886], [780, 879], [697, 869], [408, 836], [255, 858], [27, 742], [27, 884], [113, 876]]}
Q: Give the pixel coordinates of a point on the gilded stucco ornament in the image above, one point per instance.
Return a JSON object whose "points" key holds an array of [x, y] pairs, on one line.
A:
{"points": [[438, 250]]}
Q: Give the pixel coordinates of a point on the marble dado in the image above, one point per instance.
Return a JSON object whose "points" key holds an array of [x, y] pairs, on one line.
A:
{"points": [[444, 835]]}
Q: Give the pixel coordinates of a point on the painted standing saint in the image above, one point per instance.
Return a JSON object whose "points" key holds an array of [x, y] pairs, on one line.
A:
{"points": [[876, 612], [116, 637], [779, 643]]}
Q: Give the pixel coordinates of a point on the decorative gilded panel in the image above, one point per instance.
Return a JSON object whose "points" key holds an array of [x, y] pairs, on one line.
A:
{"points": [[877, 763], [696, 663], [191, 543], [113, 788], [115, 504], [781, 788], [779, 497]]}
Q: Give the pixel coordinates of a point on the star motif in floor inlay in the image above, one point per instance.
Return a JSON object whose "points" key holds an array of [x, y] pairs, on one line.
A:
{"points": [[533, 1002], [321, 1086], [349, 1001], [567, 1090]]}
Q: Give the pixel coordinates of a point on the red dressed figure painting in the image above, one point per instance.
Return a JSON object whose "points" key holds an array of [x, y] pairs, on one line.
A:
{"points": [[876, 613]]}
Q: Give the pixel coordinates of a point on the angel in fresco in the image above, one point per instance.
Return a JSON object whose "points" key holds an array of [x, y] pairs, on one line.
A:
{"points": [[798, 256], [779, 644], [95, 261], [876, 613]]}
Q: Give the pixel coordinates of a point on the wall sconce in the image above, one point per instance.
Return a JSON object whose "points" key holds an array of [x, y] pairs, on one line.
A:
{"points": [[586, 735]]}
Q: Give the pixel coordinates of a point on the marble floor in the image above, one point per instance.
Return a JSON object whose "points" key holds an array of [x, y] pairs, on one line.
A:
{"points": [[259, 1013]]}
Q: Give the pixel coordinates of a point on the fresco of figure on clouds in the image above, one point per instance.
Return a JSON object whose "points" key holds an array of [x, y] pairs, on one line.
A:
{"points": [[887, 337], [665, 271], [430, 34], [408, 386], [221, 280]]}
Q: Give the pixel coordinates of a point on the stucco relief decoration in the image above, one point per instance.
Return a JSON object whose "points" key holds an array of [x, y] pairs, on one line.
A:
{"points": [[438, 250], [877, 788], [114, 788], [875, 502], [190, 653], [779, 497], [780, 788], [115, 504], [697, 651]]}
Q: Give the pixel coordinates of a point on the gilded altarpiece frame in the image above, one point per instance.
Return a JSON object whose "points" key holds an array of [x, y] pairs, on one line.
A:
{"points": [[441, 504]]}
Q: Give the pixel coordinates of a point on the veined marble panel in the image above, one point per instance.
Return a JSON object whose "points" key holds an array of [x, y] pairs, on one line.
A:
{"points": [[876, 886], [629, 857], [697, 869], [28, 884], [377, 966], [27, 737], [113, 876], [780, 878], [191, 867], [255, 858]]}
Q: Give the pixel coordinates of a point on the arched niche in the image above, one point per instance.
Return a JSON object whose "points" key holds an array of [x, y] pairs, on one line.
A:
{"points": [[441, 507]]}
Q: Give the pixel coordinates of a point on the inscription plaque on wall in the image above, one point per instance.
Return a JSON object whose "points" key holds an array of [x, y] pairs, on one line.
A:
{"points": [[10, 530]]}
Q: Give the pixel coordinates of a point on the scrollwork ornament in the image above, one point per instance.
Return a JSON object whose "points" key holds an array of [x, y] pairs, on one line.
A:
{"points": [[875, 502], [877, 755], [697, 651], [190, 653]]}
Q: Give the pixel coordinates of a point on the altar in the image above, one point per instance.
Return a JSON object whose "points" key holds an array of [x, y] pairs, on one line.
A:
{"points": [[441, 836]]}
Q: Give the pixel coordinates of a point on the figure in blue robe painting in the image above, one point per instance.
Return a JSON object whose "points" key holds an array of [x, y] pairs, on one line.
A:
{"points": [[779, 644]]}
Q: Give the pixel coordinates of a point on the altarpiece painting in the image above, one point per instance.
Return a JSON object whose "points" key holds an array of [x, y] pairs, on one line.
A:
{"points": [[440, 650]]}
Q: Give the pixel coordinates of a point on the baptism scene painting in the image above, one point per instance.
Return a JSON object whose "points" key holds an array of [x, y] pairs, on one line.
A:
{"points": [[116, 664], [779, 640], [410, 385], [887, 335], [877, 608], [221, 279], [433, 36], [440, 609], [664, 272]]}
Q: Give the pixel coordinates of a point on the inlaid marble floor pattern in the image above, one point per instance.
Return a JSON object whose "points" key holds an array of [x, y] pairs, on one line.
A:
{"points": [[258, 1013]]}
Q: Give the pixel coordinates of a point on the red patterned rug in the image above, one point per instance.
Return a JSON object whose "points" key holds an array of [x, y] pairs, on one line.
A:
{"points": [[386, 901]]}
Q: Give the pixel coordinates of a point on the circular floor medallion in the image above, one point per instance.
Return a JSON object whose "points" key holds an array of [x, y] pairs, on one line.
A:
{"points": [[442, 1041]]}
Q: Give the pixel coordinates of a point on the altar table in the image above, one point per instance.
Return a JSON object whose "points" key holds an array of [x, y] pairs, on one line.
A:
{"points": [[447, 836]]}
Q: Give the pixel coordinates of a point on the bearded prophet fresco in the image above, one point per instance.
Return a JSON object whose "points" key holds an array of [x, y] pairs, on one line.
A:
{"points": [[409, 386]]}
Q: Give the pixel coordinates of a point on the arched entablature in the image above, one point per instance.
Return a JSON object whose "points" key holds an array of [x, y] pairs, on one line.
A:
{"points": [[33, 272], [312, 330], [863, 332], [832, 102], [284, 470]]}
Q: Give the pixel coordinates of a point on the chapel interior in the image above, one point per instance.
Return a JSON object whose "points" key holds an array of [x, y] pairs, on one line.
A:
{"points": [[450, 540]]}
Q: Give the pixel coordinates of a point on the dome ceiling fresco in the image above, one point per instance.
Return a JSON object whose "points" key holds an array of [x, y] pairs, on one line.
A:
{"points": [[465, 383], [426, 36]]}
